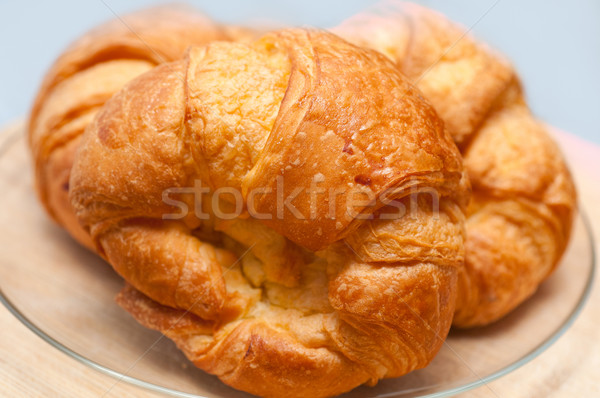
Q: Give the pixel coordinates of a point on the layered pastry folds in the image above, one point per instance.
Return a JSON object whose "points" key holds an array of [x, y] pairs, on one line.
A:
{"points": [[307, 299], [306, 211], [519, 219], [87, 74]]}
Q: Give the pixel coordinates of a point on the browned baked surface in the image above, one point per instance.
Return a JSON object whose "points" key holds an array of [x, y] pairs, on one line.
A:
{"points": [[282, 306], [520, 216], [87, 74]]}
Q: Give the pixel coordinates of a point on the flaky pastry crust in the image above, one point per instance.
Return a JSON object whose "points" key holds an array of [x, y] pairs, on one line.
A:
{"points": [[88, 73], [520, 216], [280, 305]]}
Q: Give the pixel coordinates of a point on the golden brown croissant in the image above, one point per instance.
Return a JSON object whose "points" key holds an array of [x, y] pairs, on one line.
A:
{"points": [[524, 199], [89, 72], [301, 300]]}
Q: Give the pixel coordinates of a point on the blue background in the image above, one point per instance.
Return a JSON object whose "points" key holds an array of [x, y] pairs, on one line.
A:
{"points": [[555, 45]]}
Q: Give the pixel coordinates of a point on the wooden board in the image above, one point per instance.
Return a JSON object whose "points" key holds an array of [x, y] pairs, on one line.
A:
{"points": [[30, 367]]}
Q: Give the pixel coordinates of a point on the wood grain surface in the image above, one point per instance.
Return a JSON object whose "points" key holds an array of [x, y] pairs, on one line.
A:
{"points": [[30, 367]]}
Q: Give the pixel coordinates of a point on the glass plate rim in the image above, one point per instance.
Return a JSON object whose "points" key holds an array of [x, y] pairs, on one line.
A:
{"points": [[11, 140]]}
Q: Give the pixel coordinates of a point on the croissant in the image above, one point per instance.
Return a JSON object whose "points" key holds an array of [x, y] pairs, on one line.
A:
{"points": [[89, 72], [519, 220], [286, 292]]}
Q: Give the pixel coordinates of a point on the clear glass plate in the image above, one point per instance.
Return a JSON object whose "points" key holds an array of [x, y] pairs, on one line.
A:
{"points": [[64, 294]]}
